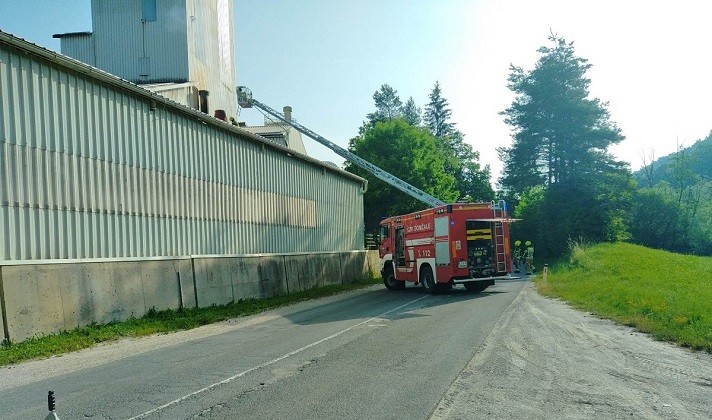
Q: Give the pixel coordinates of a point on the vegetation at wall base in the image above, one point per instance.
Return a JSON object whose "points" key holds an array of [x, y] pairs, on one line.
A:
{"points": [[159, 322], [658, 292]]}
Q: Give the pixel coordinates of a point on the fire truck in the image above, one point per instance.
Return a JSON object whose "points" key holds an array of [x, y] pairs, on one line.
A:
{"points": [[447, 244], [462, 243]]}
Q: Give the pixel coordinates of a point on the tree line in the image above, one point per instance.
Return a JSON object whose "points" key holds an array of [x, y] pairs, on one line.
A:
{"points": [[558, 174], [672, 209], [422, 147]]}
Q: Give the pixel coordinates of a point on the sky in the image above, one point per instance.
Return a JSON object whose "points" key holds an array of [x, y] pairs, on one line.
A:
{"points": [[651, 60]]}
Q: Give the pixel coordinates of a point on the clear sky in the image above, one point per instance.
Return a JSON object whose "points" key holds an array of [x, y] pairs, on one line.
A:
{"points": [[652, 60]]}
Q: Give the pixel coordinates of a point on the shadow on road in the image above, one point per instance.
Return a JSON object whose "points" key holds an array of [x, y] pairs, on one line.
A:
{"points": [[374, 302]]}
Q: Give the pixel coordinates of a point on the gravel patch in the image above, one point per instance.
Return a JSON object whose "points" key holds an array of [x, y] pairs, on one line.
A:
{"points": [[546, 360]]}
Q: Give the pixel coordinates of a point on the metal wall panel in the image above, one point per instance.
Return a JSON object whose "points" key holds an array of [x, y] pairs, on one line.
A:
{"points": [[184, 93], [121, 38], [79, 47], [89, 168]]}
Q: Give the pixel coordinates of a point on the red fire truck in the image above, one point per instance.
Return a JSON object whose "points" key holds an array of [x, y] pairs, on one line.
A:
{"points": [[452, 244], [447, 244]]}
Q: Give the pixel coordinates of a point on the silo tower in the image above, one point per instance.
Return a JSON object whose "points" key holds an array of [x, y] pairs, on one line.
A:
{"points": [[181, 49]]}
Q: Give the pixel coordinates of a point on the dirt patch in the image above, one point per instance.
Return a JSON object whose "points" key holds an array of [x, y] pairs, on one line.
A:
{"points": [[544, 359]]}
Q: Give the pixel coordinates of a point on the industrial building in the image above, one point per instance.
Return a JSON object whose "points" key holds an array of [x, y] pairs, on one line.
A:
{"points": [[176, 47], [278, 132], [180, 49], [115, 199]]}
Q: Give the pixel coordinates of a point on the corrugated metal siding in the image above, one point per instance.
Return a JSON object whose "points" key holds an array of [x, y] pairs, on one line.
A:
{"points": [[88, 170], [79, 47], [120, 39], [184, 94]]}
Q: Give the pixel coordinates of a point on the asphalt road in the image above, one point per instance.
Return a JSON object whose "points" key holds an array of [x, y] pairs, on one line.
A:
{"points": [[368, 354]]}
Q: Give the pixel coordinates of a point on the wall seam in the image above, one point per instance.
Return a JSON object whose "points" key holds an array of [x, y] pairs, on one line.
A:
{"points": [[5, 329], [286, 277], [180, 290], [195, 286]]}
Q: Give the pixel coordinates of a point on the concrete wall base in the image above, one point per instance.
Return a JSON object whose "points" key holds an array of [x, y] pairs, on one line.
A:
{"points": [[41, 298]]}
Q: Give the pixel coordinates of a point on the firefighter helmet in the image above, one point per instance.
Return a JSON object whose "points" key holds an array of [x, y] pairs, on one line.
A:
{"points": [[517, 243], [528, 243]]}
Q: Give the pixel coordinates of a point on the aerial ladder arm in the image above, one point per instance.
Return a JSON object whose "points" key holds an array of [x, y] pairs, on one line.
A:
{"points": [[245, 100]]}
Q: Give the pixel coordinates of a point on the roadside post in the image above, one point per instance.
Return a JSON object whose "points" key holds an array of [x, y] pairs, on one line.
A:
{"points": [[545, 273], [51, 406]]}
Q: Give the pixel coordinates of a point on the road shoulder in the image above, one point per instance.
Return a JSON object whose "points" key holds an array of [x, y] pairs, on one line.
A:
{"points": [[544, 359], [37, 370]]}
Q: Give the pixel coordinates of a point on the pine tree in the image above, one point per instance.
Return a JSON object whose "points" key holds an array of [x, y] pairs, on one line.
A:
{"points": [[411, 113], [462, 162], [560, 134], [388, 105], [559, 154], [437, 114]]}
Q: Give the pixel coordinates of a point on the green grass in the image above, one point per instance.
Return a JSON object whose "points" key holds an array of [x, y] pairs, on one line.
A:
{"points": [[158, 322], [667, 295]]}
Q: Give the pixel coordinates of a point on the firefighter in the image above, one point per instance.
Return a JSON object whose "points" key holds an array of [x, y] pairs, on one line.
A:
{"points": [[529, 257], [517, 258]]}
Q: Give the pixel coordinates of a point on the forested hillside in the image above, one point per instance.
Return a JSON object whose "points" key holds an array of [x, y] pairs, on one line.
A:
{"points": [[698, 157], [672, 209]]}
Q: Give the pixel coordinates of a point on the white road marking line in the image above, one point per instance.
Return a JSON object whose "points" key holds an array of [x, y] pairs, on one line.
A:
{"points": [[273, 361]]}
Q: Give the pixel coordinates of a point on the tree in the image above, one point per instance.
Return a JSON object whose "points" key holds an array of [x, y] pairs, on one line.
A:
{"points": [[701, 231], [655, 218], [675, 212], [411, 154], [411, 113], [553, 216], [392, 139], [559, 134], [699, 157], [388, 105], [559, 147], [472, 181], [474, 184], [437, 114], [649, 166]]}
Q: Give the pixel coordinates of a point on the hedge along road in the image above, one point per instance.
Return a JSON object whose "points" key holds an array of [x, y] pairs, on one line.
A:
{"points": [[366, 354]]}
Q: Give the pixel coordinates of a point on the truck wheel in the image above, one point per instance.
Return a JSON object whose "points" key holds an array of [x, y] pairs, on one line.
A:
{"points": [[475, 287], [427, 279], [389, 280]]}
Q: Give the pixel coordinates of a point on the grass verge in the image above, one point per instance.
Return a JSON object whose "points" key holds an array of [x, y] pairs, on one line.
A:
{"points": [[667, 295], [158, 322]]}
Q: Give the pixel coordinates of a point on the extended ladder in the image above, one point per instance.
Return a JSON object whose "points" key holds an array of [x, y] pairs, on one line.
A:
{"points": [[499, 210], [245, 100]]}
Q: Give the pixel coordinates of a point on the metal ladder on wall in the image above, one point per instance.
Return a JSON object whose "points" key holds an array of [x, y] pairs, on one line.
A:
{"points": [[499, 211]]}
